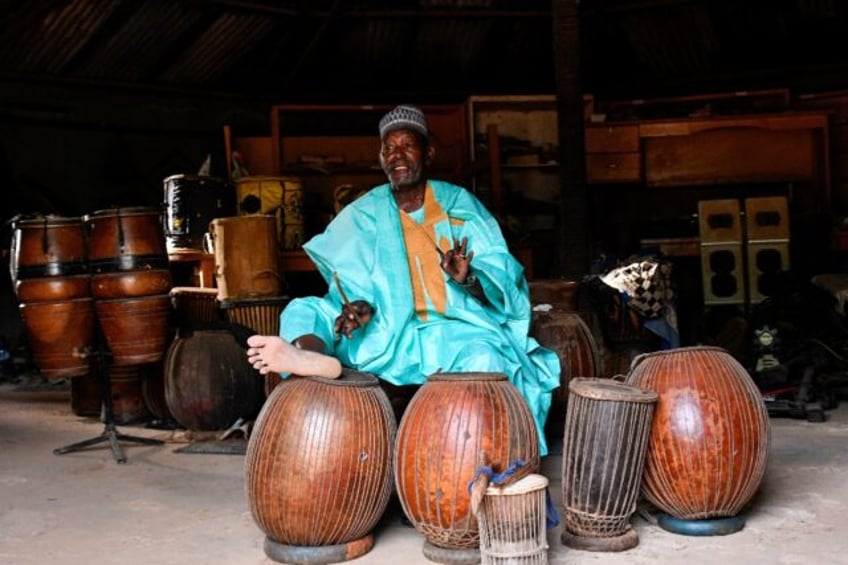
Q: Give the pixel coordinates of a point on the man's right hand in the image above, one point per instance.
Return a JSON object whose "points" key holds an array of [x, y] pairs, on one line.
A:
{"points": [[354, 315]]}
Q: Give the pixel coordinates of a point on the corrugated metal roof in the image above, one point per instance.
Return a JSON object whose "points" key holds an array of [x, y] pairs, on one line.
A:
{"points": [[471, 46]]}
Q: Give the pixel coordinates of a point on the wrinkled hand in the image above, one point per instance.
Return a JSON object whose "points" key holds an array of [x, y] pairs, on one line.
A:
{"points": [[354, 315], [456, 262]]}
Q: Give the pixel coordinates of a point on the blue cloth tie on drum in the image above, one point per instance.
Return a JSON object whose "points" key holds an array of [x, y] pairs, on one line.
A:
{"points": [[551, 515]]}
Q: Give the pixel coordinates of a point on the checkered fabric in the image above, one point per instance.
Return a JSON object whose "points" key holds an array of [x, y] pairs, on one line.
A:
{"points": [[646, 283], [404, 117]]}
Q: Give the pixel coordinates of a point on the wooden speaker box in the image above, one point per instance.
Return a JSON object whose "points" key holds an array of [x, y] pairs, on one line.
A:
{"points": [[719, 221], [767, 262], [722, 272]]}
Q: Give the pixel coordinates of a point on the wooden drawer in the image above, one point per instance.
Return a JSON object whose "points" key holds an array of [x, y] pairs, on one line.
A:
{"points": [[613, 167], [612, 139]]}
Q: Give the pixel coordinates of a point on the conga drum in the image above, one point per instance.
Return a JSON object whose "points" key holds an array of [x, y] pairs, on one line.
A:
{"points": [[319, 467], [262, 315], [191, 202], [452, 421], [513, 520], [607, 426], [247, 258], [50, 275], [709, 439], [130, 281]]}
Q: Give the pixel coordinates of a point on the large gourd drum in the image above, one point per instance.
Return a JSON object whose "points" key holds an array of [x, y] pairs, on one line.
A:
{"points": [[318, 467], [452, 422], [709, 438]]}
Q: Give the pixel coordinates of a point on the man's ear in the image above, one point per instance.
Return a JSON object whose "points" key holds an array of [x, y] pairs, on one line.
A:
{"points": [[431, 154]]}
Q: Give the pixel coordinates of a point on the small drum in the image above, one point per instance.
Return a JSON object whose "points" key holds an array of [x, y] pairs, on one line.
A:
{"points": [[607, 427], [512, 523], [195, 305], [262, 315], [191, 202], [318, 468], [126, 239], [247, 260], [52, 246]]}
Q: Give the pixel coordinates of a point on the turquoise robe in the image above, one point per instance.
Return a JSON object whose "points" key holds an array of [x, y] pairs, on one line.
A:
{"points": [[365, 246]]}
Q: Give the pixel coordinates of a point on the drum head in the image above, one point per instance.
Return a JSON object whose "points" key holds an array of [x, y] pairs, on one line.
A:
{"points": [[608, 389]]}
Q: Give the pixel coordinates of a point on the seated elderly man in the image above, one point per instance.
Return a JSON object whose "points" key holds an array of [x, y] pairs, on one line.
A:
{"points": [[420, 281]]}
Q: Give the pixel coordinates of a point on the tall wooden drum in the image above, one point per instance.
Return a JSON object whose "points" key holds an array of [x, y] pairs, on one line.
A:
{"points": [[130, 282], [709, 439], [51, 279], [247, 258], [451, 421], [318, 467], [607, 427]]}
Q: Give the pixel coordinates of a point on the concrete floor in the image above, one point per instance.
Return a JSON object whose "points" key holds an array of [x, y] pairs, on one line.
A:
{"points": [[168, 508]]}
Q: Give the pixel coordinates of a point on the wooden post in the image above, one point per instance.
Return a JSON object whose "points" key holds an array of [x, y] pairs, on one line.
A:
{"points": [[573, 234]]}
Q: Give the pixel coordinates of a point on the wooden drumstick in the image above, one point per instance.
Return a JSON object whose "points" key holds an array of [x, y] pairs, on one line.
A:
{"points": [[345, 300]]}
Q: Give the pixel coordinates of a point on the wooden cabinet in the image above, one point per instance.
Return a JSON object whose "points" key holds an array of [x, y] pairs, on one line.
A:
{"points": [[612, 154]]}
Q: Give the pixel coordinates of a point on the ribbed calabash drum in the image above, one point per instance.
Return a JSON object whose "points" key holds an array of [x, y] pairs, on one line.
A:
{"points": [[208, 382], [709, 438], [605, 439], [451, 421], [318, 467]]}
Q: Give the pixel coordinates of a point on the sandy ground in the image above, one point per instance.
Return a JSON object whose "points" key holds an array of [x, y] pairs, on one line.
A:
{"points": [[167, 508]]}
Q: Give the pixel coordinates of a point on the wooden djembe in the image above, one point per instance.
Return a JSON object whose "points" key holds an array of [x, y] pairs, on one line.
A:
{"points": [[709, 438]]}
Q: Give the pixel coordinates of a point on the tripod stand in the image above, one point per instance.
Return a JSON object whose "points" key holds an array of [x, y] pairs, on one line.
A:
{"points": [[110, 432]]}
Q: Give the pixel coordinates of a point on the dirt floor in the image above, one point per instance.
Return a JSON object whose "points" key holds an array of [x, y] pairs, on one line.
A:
{"points": [[167, 507]]}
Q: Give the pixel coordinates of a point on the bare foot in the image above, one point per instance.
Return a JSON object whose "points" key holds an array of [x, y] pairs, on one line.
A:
{"points": [[272, 354]]}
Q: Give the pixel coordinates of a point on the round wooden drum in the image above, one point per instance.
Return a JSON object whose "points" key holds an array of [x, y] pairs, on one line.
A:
{"points": [[607, 427], [52, 246], [453, 420], [318, 467], [709, 439], [136, 329], [126, 239], [209, 384], [60, 335]]}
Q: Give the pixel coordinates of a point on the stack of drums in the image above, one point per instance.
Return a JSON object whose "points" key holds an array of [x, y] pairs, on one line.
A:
{"points": [[453, 421], [319, 467], [130, 283], [247, 271], [557, 325], [50, 273]]}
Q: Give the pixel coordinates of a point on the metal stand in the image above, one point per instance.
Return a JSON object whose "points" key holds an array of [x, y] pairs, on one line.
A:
{"points": [[110, 432]]}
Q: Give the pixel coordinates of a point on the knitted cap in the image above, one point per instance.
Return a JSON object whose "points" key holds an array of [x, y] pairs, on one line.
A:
{"points": [[404, 117]]}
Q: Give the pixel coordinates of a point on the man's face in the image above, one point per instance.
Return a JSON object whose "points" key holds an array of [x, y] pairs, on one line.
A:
{"points": [[404, 158]]}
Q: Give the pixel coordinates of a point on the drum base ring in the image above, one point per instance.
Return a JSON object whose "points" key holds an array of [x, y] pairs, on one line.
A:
{"points": [[628, 540], [704, 527], [318, 554], [451, 556]]}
